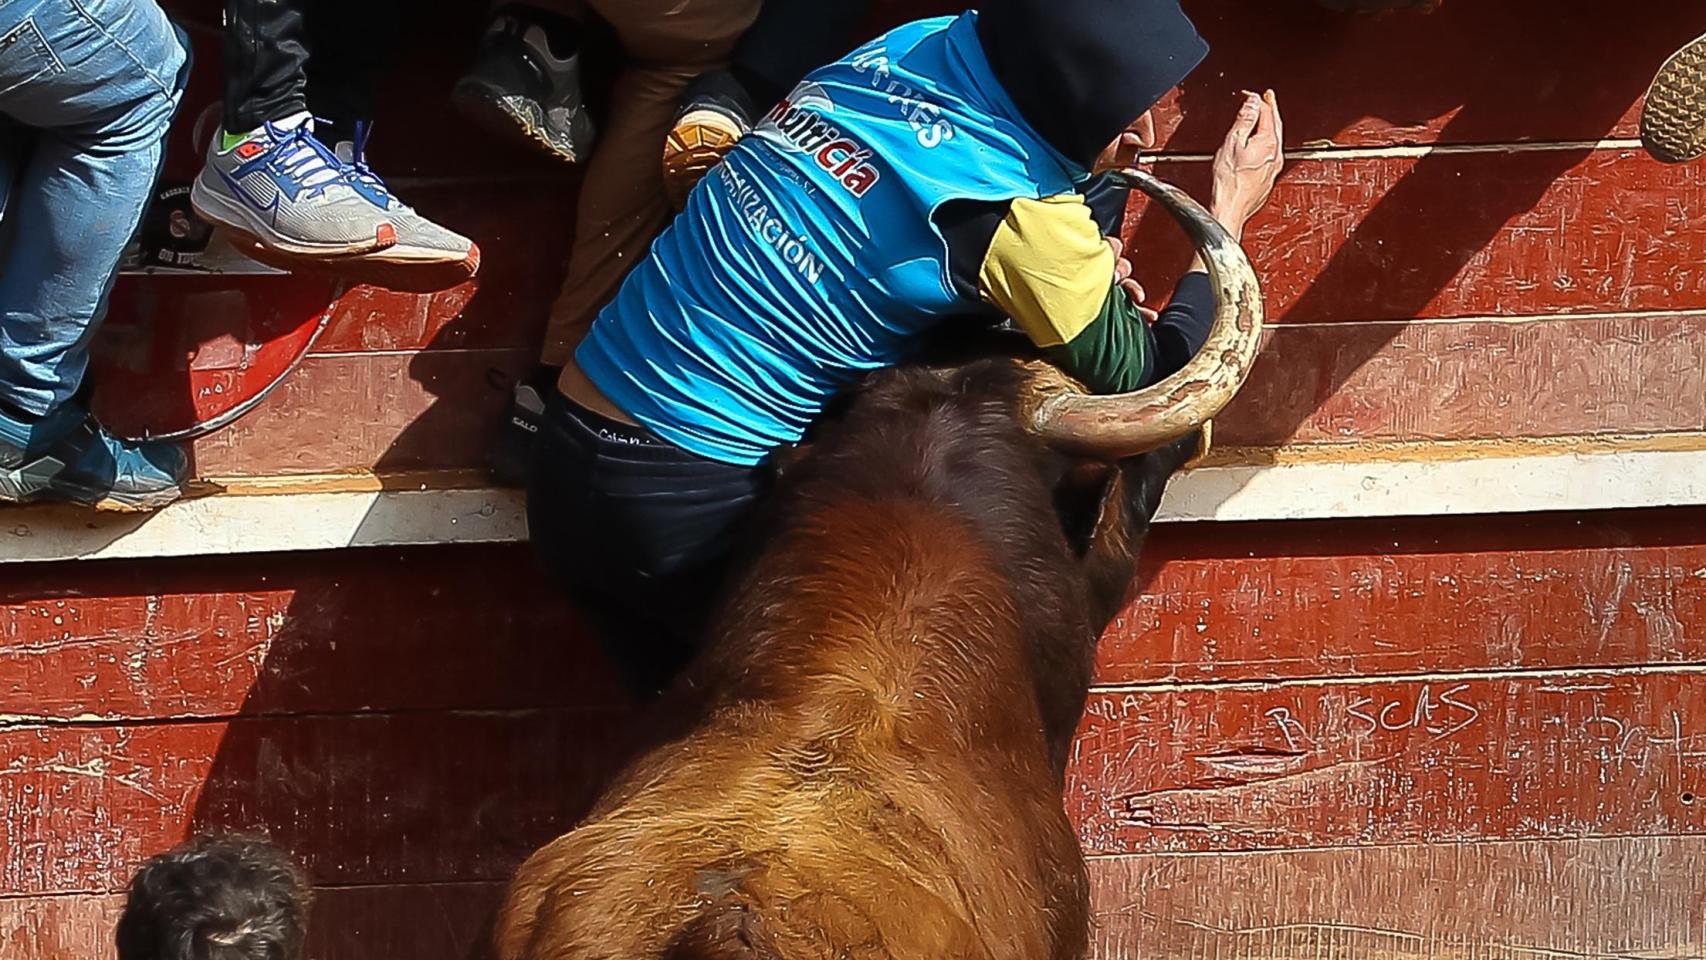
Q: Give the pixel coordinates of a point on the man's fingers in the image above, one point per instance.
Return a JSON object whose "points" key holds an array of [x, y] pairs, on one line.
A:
{"points": [[1272, 102], [1249, 116], [1122, 266], [1135, 291]]}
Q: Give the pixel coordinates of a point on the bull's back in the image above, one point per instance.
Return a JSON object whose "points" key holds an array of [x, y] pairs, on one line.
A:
{"points": [[871, 779], [788, 851]]}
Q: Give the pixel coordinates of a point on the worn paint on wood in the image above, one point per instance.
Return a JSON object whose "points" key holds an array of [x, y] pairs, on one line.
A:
{"points": [[1613, 897], [1452, 76], [1474, 379], [1333, 384], [1371, 599], [369, 798], [1484, 901], [1461, 235], [1360, 760], [423, 411], [481, 629]]}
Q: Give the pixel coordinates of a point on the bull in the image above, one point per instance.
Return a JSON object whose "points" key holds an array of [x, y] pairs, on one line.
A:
{"points": [[886, 701]]}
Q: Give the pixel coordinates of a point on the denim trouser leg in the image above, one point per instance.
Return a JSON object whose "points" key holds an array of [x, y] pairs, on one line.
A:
{"points": [[97, 81]]}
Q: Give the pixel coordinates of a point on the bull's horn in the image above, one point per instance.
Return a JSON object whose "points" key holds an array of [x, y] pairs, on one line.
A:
{"points": [[1113, 426]]}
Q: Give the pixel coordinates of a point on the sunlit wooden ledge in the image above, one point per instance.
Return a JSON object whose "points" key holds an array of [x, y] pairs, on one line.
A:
{"points": [[332, 511]]}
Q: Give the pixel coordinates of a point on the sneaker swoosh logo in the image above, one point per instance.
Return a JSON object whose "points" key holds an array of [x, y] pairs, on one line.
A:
{"points": [[271, 209]]}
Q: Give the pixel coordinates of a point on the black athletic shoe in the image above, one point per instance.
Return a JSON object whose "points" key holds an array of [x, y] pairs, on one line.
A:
{"points": [[526, 80]]}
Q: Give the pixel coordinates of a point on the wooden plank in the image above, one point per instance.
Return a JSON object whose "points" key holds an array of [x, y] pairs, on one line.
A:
{"points": [[1328, 384], [1487, 901], [1483, 594], [212, 524], [1444, 758], [1467, 73], [57, 927], [1448, 483], [387, 411], [375, 798], [486, 630], [1231, 603], [1635, 897], [1465, 380], [1461, 235], [314, 512]]}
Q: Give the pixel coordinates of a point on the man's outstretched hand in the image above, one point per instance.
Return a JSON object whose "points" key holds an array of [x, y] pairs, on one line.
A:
{"points": [[1248, 162]]}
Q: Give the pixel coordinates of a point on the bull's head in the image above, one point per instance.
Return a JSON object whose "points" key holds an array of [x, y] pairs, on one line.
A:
{"points": [[1121, 425]]}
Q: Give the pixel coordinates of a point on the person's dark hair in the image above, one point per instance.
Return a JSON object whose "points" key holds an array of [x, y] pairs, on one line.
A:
{"points": [[216, 897]]}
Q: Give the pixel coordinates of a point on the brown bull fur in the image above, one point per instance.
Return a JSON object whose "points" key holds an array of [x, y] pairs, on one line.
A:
{"points": [[889, 697]]}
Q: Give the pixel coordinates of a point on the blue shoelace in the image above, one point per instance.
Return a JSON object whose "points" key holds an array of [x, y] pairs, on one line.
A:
{"points": [[305, 159]]}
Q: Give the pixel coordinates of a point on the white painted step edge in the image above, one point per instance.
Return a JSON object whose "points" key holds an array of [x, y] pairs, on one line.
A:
{"points": [[236, 524]]}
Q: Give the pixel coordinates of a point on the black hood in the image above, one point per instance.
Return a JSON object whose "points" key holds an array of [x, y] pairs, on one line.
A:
{"points": [[1080, 71]]}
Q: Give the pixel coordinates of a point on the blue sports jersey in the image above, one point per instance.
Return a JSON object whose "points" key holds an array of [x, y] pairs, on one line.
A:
{"points": [[810, 254]]}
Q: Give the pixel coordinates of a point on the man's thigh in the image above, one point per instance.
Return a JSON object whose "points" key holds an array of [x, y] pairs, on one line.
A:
{"points": [[94, 65]]}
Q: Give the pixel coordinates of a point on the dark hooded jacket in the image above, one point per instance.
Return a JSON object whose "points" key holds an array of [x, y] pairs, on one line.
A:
{"points": [[1080, 71]]}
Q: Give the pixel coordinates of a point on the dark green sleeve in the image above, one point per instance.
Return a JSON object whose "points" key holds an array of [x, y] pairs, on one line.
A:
{"points": [[1115, 353]]}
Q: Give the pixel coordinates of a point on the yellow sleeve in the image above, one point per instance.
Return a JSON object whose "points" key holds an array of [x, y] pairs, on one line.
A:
{"points": [[1048, 268]]}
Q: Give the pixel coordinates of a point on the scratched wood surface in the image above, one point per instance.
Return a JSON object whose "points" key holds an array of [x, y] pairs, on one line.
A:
{"points": [[1400, 705], [1432, 738], [1614, 897]]}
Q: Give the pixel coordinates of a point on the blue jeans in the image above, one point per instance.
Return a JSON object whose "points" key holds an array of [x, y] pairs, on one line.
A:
{"points": [[87, 93]]}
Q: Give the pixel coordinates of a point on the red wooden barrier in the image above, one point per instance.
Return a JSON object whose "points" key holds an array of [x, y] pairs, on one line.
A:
{"points": [[1429, 738]]}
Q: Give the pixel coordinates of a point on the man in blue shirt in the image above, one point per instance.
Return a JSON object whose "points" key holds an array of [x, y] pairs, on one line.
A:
{"points": [[929, 175]]}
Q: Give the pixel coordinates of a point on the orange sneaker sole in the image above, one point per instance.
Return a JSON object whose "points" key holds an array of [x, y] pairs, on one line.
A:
{"points": [[689, 152]]}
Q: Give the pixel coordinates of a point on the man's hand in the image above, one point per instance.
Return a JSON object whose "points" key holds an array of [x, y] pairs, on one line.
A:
{"points": [[1122, 276], [1248, 163]]}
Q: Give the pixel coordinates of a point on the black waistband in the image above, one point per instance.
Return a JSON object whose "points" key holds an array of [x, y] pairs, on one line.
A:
{"points": [[604, 428]]}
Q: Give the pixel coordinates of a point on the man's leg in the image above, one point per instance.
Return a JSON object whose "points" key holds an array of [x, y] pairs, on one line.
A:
{"points": [[622, 202], [622, 206], [354, 46], [98, 82], [266, 62], [639, 531]]}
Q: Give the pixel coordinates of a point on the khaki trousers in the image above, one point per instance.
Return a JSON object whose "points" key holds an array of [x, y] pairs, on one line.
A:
{"points": [[622, 206]]}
